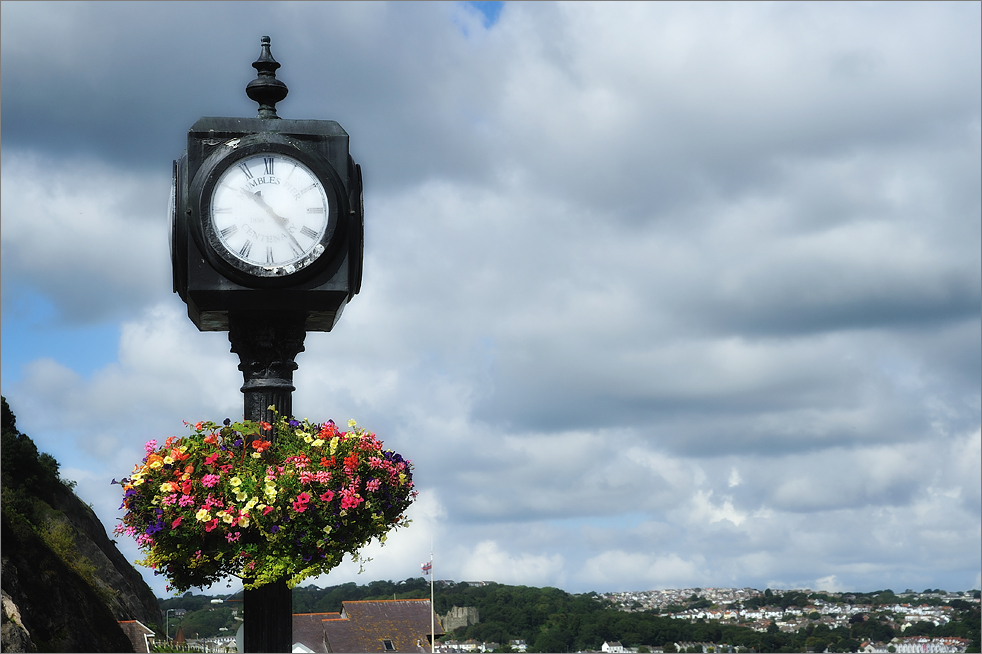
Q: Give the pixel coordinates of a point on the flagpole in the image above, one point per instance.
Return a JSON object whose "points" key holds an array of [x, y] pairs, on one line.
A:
{"points": [[432, 607]]}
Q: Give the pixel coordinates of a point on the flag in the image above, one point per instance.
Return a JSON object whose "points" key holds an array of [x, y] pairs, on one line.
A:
{"points": [[427, 567]]}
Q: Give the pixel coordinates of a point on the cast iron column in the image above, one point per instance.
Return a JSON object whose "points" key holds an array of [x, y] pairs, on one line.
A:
{"points": [[267, 344]]}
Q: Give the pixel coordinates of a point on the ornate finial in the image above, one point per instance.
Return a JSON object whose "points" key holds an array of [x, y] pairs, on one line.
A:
{"points": [[266, 89]]}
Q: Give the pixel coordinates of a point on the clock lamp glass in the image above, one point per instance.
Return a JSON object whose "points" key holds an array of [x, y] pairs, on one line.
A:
{"points": [[270, 211]]}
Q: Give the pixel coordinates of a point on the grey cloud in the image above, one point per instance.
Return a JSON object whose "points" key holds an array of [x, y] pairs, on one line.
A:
{"points": [[706, 277]]}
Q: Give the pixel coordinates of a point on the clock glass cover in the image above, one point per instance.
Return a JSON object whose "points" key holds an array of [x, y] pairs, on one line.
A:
{"points": [[268, 210]]}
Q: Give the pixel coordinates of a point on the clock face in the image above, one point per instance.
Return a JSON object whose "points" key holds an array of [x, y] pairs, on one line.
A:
{"points": [[270, 212]]}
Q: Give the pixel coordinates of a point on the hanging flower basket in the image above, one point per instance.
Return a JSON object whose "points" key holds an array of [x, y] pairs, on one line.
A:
{"points": [[228, 500]]}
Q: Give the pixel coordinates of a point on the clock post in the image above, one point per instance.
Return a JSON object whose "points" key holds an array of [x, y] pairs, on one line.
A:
{"points": [[267, 240]]}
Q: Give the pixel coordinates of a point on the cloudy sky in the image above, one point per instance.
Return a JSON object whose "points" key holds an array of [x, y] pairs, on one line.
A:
{"points": [[655, 295]]}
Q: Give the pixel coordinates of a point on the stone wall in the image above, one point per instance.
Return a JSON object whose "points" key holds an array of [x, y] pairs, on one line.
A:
{"points": [[460, 616]]}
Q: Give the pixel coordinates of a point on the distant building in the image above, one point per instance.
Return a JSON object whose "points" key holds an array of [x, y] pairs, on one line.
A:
{"points": [[367, 626], [139, 634], [460, 616], [613, 647]]}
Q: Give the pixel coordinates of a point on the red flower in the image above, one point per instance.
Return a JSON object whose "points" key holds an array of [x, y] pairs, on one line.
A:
{"points": [[261, 445], [176, 523]]}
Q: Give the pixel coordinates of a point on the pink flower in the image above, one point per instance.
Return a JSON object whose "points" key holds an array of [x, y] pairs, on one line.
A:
{"points": [[209, 480], [232, 538], [151, 446], [300, 504], [210, 459], [327, 496], [373, 485], [176, 523], [350, 498], [186, 500]]}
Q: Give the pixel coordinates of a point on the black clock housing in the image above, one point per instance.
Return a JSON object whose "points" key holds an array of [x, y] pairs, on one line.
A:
{"points": [[212, 285]]}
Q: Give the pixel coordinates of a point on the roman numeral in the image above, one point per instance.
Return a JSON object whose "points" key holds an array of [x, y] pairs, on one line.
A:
{"points": [[309, 188], [223, 210], [308, 232], [246, 249], [228, 231], [246, 170], [315, 209], [269, 254], [269, 164]]}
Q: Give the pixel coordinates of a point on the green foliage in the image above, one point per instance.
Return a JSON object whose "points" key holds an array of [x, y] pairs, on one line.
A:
{"points": [[26, 475], [206, 622], [30, 484]]}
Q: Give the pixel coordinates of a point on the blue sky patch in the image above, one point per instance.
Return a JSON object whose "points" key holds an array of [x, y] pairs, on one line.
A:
{"points": [[31, 331], [490, 10]]}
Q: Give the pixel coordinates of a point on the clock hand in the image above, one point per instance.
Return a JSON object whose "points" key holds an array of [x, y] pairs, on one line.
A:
{"points": [[278, 219]]}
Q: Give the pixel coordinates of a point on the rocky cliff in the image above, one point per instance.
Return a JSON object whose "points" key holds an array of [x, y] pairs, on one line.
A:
{"points": [[65, 585]]}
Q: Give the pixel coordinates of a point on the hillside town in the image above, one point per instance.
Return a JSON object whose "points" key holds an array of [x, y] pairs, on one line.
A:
{"points": [[769, 609], [881, 621]]}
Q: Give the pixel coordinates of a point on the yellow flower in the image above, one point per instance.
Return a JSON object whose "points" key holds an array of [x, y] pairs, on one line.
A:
{"points": [[351, 423], [244, 520], [203, 515], [334, 444], [168, 459], [240, 496], [251, 503], [307, 438], [256, 455], [318, 442], [227, 519], [235, 481]]}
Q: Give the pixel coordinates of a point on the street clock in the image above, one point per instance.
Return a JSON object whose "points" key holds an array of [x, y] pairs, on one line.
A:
{"points": [[267, 215]]}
